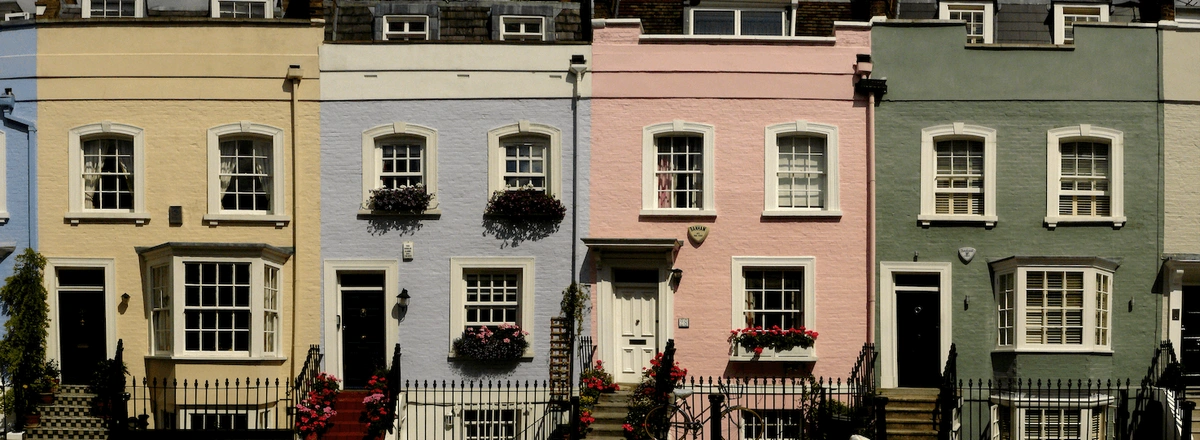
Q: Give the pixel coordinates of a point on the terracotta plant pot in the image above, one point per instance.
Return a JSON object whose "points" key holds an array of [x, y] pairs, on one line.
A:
{"points": [[33, 420], [46, 398]]}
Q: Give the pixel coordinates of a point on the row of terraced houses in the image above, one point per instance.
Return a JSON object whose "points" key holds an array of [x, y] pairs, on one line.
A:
{"points": [[1016, 179]]}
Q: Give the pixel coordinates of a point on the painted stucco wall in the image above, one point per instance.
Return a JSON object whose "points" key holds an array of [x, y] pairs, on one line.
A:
{"points": [[176, 83], [463, 92], [740, 89], [18, 52], [926, 67], [1181, 140]]}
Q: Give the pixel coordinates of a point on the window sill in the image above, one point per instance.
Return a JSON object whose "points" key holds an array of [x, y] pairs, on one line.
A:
{"points": [[278, 220], [801, 213], [1055, 350], [429, 214], [678, 213], [770, 355], [1053, 221], [926, 220], [217, 359], [138, 218], [4, 217]]}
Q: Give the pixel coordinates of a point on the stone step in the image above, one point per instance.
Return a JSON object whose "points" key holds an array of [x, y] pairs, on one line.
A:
{"points": [[67, 433], [71, 422]]}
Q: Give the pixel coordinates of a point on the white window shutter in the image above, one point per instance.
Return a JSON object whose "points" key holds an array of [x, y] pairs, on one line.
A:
{"points": [[995, 429]]}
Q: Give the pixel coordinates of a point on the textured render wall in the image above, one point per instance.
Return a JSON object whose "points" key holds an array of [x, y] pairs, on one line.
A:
{"points": [[461, 231], [18, 50], [640, 85], [1021, 127], [1180, 62], [161, 96], [1181, 178]]}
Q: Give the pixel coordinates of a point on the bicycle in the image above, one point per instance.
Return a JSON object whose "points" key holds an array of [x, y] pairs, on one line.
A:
{"points": [[679, 417]]}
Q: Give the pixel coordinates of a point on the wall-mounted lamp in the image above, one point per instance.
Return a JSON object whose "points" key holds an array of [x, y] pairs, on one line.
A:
{"points": [[402, 301], [676, 276], [124, 297], [966, 302]]}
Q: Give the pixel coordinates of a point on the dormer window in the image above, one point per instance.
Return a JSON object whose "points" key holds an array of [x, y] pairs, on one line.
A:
{"points": [[405, 27], [1066, 15], [517, 28], [744, 22], [242, 9], [113, 8], [978, 15]]}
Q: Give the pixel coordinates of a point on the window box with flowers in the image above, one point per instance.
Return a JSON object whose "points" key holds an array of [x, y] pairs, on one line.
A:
{"points": [[527, 204], [402, 200], [773, 344], [504, 343]]}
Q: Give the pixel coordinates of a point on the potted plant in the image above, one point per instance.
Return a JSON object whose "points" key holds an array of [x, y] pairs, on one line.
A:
{"points": [[527, 203], [377, 414], [505, 343], [108, 384], [756, 341], [23, 348], [402, 200], [47, 385], [316, 410]]}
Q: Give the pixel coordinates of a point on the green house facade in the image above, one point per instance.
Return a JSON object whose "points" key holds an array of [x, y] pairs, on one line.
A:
{"points": [[1017, 205]]}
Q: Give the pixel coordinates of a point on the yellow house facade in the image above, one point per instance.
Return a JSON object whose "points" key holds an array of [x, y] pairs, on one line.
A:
{"points": [[168, 206]]}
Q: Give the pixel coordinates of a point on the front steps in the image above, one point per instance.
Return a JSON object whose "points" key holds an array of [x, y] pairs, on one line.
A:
{"points": [[69, 417], [911, 413], [347, 424], [610, 412]]}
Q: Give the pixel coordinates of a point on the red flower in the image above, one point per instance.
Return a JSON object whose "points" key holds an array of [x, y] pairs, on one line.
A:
{"points": [[758, 350]]}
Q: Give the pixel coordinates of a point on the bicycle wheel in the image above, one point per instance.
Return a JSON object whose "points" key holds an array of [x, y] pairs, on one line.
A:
{"points": [[747, 422], [667, 422]]}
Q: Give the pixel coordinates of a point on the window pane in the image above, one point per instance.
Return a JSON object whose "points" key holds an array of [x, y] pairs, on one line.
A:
{"points": [[713, 22], [679, 173], [245, 175], [220, 321], [774, 298], [762, 23], [801, 172]]}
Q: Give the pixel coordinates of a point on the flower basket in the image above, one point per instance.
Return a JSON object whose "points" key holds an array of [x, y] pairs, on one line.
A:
{"points": [[377, 407], [315, 412], [505, 343], [526, 204], [757, 343], [403, 200]]}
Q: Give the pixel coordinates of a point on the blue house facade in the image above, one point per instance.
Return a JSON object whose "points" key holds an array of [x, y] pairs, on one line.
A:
{"points": [[18, 139]]}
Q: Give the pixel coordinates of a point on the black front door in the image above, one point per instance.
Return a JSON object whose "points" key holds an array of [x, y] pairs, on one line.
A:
{"points": [[363, 328], [1189, 333], [81, 327], [918, 330]]}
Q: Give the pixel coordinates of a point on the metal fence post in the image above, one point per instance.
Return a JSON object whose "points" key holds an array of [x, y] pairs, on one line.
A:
{"points": [[1123, 414], [1188, 407], [574, 418], [715, 402]]}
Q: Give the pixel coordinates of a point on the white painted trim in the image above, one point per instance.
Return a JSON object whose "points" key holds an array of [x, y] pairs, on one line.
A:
{"points": [[1090, 290], [75, 138], [649, 152], [179, 329], [1059, 25], [958, 130], [887, 313], [525, 128], [332, 303], [268, 8], [736, 38], [457, 312], [737, 268], [371, 156], [784, 24], [139, 9], [771, 167], [402, 34], [989, 16], [606, 295], [278, 196], [519, 18], [111, 299], [3, 179], [1116, 172]]}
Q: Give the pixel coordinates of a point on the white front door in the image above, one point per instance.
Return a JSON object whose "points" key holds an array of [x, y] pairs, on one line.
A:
{"points": [[636, 320]]}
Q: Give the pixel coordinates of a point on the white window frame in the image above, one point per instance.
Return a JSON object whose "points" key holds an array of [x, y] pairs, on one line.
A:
{"points": [[258, 418], [111, 299], [1116, 172], [139, 9], [403, 33], [176, 262], [525, 128], [517, 415], [458, 315], [75, 210], [1017, 405], [650, 207], [523, 36], [787, 21], [268, 7], [17, 16], [332, 301], [278, 213], [1060, 25], [738, 266], [988, 15], [4, 215], [771, 182], [958, 130], [887, 313], [371, 159], [1018, 267]]}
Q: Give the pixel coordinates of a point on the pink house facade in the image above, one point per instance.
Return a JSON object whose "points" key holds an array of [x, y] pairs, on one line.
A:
{"points": [[729, 188]]}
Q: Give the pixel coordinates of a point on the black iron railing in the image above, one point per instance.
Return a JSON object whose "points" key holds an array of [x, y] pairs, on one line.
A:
{"points": [[586, 352], [213, 404], [309, 371], [479, 409], [1082, 408], [947, 403], [1159, 408]]}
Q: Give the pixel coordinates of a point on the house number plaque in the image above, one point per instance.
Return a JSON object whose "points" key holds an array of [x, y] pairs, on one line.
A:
{"points": [[698, 233]]}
